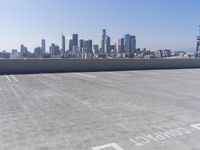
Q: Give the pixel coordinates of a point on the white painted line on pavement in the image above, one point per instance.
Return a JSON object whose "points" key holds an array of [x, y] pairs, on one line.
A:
{"points": [[49, 76], [85, 75], [52, 76], [8, 78], [14, 77], [111, 145], [55, 76], [196, 126], [155, 137]]}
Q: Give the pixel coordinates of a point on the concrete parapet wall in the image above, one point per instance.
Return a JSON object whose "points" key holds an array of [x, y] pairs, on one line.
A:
{"points": [[23, 66]]}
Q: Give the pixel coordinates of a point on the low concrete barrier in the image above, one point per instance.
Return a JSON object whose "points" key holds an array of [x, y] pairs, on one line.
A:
{"points": [[22, 66]]}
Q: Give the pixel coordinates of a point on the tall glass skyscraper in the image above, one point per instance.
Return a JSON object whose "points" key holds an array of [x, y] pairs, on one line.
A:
{"points": [[43, 46], [121, 46], [63, 44], [107, 45], [103, 49], [129, 43], [81, 45], [70, 44], [133, 44], [75, 39]]}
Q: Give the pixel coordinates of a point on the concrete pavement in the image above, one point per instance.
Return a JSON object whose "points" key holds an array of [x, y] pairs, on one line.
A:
{"points": [[131, 110]]}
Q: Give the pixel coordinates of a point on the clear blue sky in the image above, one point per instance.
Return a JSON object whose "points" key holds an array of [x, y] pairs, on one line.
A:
{"points": [[157, 24]]}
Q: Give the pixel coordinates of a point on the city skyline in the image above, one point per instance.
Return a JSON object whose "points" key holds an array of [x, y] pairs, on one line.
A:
{"points": [[158, 24]]}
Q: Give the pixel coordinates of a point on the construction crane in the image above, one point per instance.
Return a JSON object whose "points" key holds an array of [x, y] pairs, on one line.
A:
{"points": [[198, 45]]}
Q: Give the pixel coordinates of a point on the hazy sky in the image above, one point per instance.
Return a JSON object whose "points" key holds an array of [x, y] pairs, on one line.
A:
{"points": [[157, 24]]}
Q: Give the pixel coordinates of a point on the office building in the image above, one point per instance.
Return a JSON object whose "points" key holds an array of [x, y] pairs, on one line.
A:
{"points": [[54, 49], [14, 51], [70, 45], [75, 49], [90, 46], [107, 45], [14, 54], [75, 40], [4, 55], [121, 46], [129, 44], [87, 46], [133, 44], [103, 50], [113, 49], [43, 42], [81, 45], [23, 51], [96, 48], [63, 45], [38, 51]]}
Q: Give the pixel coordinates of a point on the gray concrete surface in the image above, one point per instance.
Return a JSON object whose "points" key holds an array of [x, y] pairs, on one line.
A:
{"points": [[131, 110], [21, 66]]}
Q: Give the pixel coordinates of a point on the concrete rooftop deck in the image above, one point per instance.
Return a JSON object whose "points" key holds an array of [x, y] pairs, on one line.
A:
{"points": [[131, 110]]}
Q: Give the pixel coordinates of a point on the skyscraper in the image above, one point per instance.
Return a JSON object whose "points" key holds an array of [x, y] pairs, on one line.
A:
{"points": [[87, 46], [133, 44], [81, 45], [54, 49], [70, 44], [43, 46], [107, 45], [96, 48], [121, 46], [129, 43], [90, 46], [103, 41], [113, 49], [24, 51], [63, 44], [38, 51], [75, 40]]}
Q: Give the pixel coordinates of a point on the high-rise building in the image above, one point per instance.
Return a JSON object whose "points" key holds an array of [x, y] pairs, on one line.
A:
{"points": [[14, 54], [5, 55], [96, 48], [70, 45], [133, 44], [121, 46], [81, 45], [103, 50], [75, 50], [63, 44], [107, 45], [75, 39], [23, 51], [113, 49], [129, 43], [87, 46], [54, 49], [38, 51], [90, 46], [43, 46], [14, 51]]}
